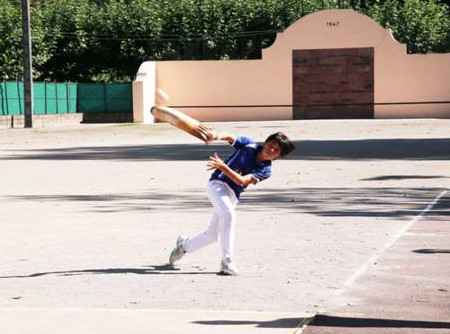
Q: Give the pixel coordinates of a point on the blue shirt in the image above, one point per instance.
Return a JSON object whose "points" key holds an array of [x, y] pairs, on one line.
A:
{"points": [[243, 161]]}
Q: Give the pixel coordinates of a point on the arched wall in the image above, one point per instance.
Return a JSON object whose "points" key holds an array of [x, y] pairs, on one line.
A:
{"points": [[203, 88]]}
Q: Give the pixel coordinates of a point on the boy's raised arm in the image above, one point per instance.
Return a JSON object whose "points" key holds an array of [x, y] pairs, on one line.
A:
{"points": [[211, 135], [228, 137]]}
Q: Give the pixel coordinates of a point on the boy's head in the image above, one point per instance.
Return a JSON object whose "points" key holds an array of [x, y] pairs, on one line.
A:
{"points": [[277, 145]]}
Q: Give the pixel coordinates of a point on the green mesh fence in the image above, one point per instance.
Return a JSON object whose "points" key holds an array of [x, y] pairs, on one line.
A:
{"points": [[68, 97], [11, 96], [104, 98]]}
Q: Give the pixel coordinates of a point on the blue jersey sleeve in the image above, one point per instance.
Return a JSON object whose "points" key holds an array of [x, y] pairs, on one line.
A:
{"points": [[262, 173], [242, 141]]}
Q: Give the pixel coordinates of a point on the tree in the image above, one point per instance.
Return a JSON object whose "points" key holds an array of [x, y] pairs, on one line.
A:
{"points": [[65, 39], [11, 65], [421, 24], [107, 40]]}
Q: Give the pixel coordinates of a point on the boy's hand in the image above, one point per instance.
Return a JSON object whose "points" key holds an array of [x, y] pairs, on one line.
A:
{"points": [[207, 132], [215, 162]]}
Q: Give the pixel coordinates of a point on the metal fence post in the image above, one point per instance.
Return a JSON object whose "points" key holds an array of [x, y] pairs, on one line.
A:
{"points": [[105, 97], [45, 97], [28, 64], [18, 95], [6, 98], [56, 97], [67, 98]]}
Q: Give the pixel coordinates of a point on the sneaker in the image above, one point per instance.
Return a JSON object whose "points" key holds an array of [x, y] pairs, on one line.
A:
{"points": [[228, 268], [178, 252]]}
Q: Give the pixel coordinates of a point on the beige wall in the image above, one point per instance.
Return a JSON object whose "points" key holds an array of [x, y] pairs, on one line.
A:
{"points": [[144, 93], [413, 78], [398, 77], [227, 83]]}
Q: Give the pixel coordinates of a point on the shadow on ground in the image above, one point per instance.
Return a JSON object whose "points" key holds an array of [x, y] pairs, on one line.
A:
{"points": [[149, 270], [403, 177], [328, 321], [277, 323], [368, 149], [432, 251], [390, 202], [350, 202], [339, 322]]}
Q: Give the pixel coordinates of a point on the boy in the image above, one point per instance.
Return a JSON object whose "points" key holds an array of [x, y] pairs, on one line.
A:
{"points": [[250, 163]]}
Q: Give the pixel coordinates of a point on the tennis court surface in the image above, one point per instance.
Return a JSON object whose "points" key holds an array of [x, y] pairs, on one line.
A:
{"points": [[349, 235]]}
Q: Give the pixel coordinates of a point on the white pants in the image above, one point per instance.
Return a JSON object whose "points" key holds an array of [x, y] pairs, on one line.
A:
{"points": [[224, 200]]}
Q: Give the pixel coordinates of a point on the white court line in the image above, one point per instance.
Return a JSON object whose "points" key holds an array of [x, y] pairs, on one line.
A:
{"points": [[378, 253]]}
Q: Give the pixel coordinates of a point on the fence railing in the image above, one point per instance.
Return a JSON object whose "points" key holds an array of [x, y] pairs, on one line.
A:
{"points": [[67, 97]]}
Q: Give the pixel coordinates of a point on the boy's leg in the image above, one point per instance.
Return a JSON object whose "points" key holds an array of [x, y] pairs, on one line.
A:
{"points": [[224, 202], [227, 235], [205, 238], [178, 252]]}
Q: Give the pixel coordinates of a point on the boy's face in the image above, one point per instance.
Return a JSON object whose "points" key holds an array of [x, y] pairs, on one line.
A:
{"points": [[271, 150]]}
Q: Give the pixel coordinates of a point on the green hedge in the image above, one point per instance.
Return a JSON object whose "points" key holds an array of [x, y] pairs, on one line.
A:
{"points": [[69, 97], [107, 40]]}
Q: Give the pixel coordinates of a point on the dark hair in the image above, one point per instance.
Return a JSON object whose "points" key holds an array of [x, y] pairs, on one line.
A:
{"points": [[283, 141]]}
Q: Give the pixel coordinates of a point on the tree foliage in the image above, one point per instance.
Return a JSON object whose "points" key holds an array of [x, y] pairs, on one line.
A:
{"points": [[423, 25], [11, 66], [107, 40]]}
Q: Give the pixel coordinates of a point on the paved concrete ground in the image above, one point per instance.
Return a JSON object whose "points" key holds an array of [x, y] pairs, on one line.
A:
{"points": [[404, 290], [90, 213], [150, 321]]}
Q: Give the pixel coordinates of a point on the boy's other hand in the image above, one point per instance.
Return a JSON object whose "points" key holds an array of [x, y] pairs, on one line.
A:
{"points": [[215, 162]]}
